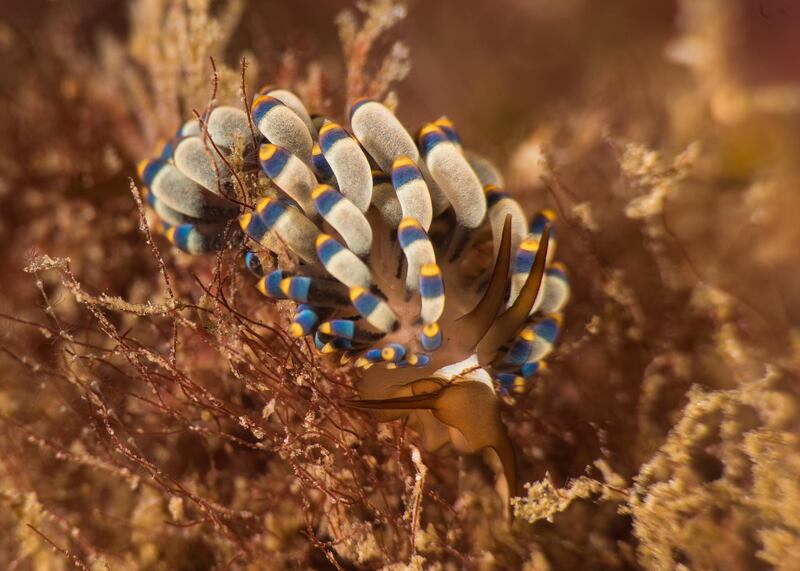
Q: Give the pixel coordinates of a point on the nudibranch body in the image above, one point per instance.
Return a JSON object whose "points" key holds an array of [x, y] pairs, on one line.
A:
{"points": [[409, 260]]}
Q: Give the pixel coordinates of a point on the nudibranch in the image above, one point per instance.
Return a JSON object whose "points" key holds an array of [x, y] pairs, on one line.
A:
{"points": [[406, 257]]}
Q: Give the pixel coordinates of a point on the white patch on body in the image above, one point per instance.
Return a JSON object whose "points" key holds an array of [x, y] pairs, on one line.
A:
{"points": [[467, 370]]}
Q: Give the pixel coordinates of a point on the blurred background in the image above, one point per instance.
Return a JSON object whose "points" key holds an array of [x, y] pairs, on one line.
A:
{"points": [[664, 133]]}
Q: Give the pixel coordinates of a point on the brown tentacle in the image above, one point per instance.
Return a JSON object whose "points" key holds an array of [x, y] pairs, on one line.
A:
{"points": [[513, 319], [474, 325], [423, 397], [418, 402]]}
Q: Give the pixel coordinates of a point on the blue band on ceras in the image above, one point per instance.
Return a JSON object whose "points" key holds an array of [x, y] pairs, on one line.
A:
{"points": [[327, 249], [270, 210], [318, 292], [499, 206], [326, 198], [270, 284], [364, 301], [508, 383], [327, 344], [532, 368], [321, 167], [372, 308], [262, 105], [343, 328], [410, 360], [548, 328], [192, 240], [329, 135], [369, 358], [526, 254], [273, 159], [304, 321], [493, 195], [253, 263], [429, 137], [431, 285], [252, 226], [393, 353], [449, 129], [148, 169], [520, 348], [534, 342], [431, 290], [430, 337], [558, 270], [179, 235], [404, 171], [296, 287], [409, 232]]}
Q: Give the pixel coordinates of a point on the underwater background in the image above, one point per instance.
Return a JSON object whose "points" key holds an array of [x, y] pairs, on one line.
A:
{"points": [[154, 414]]}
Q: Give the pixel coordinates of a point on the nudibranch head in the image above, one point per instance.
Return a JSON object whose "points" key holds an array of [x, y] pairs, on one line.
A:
{"points": [[406, 256]]}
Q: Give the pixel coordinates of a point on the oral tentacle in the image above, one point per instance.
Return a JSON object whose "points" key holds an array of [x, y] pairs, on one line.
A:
{"points": [[513, 319], [477, 322]]}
